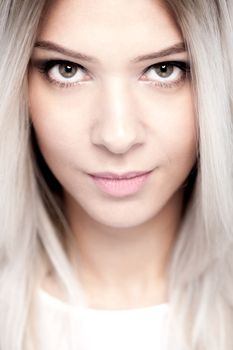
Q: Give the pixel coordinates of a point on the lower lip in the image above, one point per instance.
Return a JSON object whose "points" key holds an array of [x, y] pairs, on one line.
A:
{"points": [[121, 187]]}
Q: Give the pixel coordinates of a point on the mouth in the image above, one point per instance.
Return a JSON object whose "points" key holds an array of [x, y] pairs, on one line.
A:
{"points": [[114, 176], [120, 185]]}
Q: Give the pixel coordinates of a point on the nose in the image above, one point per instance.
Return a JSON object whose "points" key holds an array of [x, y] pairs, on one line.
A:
{"points": [[117, 125]]}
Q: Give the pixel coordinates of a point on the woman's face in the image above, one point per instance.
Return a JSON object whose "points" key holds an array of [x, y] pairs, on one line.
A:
{"points": [[117, 111]]}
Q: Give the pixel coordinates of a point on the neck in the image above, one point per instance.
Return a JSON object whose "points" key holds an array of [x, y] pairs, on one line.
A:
{"points": [[126, 266]]}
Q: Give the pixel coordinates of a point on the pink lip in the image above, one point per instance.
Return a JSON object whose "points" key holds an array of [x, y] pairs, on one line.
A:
{"points": [[109, 175], [120, 185]]}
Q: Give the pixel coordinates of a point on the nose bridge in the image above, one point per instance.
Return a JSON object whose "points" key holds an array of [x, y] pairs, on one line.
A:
{"points": [[118, 126]]}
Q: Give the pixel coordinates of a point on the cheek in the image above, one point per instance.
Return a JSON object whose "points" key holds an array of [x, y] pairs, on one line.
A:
{"points": [[180, 137], [54, 124], [181, 153], [175, 132], [51, 135]]}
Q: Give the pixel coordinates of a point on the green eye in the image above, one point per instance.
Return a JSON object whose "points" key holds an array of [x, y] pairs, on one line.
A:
{"points": [[67, 70], [167, 74], [165, 70]]}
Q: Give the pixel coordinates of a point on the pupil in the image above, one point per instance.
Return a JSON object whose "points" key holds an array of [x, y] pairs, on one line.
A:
{"points": [[67, 71], [164, 68]]}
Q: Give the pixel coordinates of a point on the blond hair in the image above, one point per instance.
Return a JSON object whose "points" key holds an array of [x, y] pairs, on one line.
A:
{"points": [[32, 223]]}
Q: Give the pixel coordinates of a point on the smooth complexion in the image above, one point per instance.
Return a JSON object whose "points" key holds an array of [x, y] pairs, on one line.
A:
{"points": [[116, 113]]}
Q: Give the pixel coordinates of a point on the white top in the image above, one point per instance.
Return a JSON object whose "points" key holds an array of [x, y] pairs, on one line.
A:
{"points": [[94, 329]]}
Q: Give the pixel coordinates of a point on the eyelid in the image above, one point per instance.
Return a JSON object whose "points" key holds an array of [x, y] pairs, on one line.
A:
{"points": [[182, 64], [50, 63], [53, 61], [45, 65]]}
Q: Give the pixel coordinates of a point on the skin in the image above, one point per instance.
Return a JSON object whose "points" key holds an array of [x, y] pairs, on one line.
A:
{"points": [[118, 119]]}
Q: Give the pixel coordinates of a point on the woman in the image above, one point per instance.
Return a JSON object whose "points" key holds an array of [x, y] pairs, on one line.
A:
{"points": [[116, 153]]}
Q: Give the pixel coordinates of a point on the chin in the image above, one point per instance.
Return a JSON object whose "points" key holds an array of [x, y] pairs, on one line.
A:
{"points": [[124, 217]]}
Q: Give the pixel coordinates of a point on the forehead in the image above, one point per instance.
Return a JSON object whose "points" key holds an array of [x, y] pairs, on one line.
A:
{"points": [[101, 28]]}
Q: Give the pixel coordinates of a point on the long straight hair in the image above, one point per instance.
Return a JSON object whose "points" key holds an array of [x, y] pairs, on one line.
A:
{"points": [[201, 268], [33, 227]]}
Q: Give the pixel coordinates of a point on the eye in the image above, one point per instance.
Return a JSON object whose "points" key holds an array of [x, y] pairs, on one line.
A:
{"points": [[167, 74], [62, 73], [67, 70], [164, 70]]}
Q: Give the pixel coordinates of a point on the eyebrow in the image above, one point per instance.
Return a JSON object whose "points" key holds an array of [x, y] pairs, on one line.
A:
{"points": [[51, 46], [176, 48]]}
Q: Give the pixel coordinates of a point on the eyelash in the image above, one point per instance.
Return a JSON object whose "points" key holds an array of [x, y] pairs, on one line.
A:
{"points": [[183, 66], [45, 66]]}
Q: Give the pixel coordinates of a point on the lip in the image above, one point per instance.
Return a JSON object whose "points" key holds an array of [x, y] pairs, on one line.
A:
{"points": [[128, 175], [120, 185]]}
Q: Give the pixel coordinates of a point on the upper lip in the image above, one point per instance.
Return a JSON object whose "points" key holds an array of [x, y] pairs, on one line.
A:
{"points": [[128, 175]]}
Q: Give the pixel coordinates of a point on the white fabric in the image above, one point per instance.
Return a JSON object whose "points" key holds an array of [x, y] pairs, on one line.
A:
{"points": [[132, 329]]}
